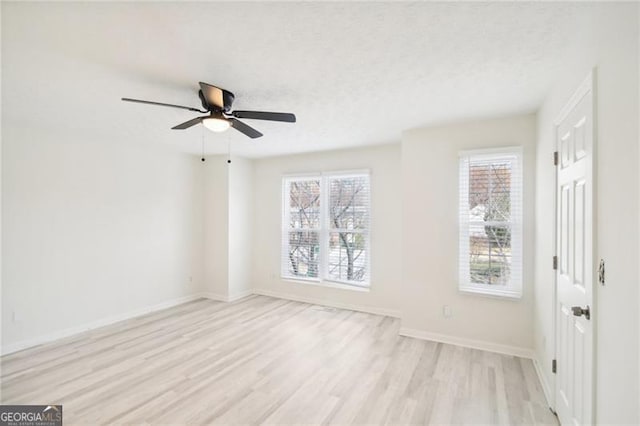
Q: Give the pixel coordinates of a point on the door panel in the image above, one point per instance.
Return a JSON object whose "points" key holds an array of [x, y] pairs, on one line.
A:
{"points": [[578, 235], [578, 372], [580, 142], [564, 229], [565, 324], [565, 150]]}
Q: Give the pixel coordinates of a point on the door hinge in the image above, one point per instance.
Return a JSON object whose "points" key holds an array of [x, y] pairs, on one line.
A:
{"points": [[555, 158], [554, 366], [601, 272], [555, 263]]}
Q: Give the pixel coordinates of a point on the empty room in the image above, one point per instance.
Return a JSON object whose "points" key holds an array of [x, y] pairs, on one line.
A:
{"points": [[320, 213]]}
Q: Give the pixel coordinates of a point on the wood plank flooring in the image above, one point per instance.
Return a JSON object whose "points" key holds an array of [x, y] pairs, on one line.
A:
{"points": [[266, 360]]}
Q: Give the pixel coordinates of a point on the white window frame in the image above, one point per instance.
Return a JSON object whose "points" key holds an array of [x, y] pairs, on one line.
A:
{"points": [[325, 229], [514, 288]]}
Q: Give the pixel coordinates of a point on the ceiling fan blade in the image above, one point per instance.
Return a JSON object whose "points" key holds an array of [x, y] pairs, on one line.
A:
{"points": [[263, 115], [189, 123], [246, 129], [140, 101], [213, 95]]}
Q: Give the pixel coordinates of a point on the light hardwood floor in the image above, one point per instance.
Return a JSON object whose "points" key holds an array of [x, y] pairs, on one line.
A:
{"points": [[266, 360]]}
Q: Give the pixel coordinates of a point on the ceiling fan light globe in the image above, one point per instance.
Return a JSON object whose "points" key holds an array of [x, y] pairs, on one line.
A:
{"points": [[216, 124]]}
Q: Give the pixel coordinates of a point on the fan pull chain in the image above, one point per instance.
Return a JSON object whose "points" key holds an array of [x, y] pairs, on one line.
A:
{"points": [[202, 129], [228, 150]]}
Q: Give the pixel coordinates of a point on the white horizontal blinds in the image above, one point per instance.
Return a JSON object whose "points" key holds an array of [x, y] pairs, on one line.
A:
{"points": [[491, 222], [301, 228], [347, 221]]}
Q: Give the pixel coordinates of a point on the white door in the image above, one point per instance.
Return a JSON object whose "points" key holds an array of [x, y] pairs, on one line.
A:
{"points": [[574, 275]]}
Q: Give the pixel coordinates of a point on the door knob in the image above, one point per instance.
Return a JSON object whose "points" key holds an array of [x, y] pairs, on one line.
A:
{"points": [[579, 311]]}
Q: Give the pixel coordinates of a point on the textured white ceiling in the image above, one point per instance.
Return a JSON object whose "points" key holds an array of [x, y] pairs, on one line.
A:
{"points": [[353, 73]]}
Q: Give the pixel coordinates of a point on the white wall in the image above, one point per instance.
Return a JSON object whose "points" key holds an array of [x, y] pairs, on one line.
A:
{"points": [[240, 226], [609, 43], [93, 229], [216, 227], [384, 164], [228, 221], [102, 229], [430, 237]]}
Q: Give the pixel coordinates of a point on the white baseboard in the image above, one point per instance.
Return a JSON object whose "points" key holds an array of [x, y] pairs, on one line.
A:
{"points": [[60, 334], [323, 302], [212, 296], [468, 343], [224, 297], [239, 295], [546, 389]]}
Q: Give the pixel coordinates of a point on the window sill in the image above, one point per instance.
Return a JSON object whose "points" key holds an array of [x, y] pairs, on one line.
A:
{"points": [[327, 284], [492, 293]]}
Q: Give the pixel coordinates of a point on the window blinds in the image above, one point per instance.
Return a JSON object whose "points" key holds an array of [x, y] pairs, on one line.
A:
{"points": [[490, 217], [325, 233], [301, 228], [348, 224]]}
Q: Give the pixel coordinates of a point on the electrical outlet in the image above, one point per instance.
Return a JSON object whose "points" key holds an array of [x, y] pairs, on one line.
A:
{"points": [[446, 311], [15, 317]]}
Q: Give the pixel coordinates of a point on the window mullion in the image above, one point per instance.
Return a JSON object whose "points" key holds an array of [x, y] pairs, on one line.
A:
{"points": [[324, 227]]}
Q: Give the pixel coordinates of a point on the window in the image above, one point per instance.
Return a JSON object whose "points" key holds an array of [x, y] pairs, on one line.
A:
{"points": [[325, 228], [491, 222]]}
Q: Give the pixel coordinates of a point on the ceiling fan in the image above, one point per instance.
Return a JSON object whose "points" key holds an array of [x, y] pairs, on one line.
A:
{"points": [[217, 102]]}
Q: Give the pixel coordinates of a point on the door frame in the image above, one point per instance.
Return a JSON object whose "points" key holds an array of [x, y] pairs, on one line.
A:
{"points": [[588, 84]]}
